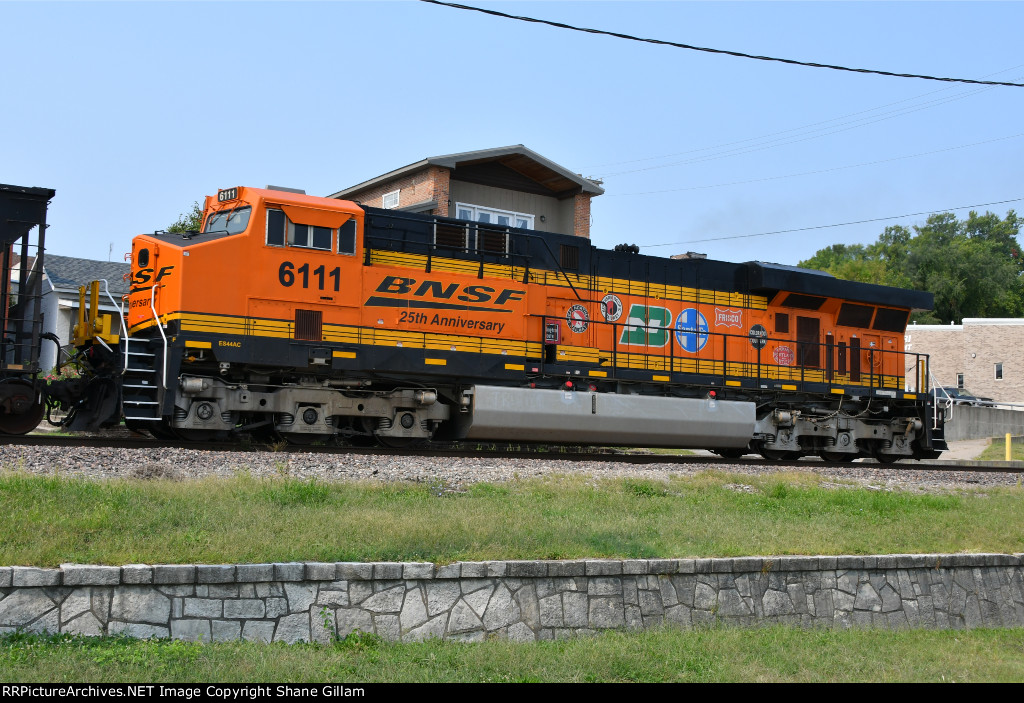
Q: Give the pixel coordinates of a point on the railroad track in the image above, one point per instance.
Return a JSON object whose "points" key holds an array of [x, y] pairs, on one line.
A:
{"points": [[495, 450]]}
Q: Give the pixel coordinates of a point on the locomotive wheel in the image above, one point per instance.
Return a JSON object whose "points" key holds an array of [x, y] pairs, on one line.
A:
{"points": [[21, 397], [303, 439], [195, 435], [402, 442], [838, 457], [730, 453], [779, 455]]}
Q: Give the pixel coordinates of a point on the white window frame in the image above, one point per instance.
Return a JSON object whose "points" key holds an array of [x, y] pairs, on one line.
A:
{"points": [[998, 370], [477, 210], [396, 194]]}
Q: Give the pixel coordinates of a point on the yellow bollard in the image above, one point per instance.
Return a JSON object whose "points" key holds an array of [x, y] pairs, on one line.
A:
{"points": [[1008, 453]]}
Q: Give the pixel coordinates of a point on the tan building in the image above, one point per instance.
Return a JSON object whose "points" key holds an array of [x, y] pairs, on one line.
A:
{"points": [[981, 355], [509, 186]]}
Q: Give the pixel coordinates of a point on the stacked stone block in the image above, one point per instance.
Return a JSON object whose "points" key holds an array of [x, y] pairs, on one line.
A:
{"points": [[516, 600]]}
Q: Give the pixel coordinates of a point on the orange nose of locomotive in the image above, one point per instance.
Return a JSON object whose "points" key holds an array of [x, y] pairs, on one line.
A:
{"points": [[154, 264]]}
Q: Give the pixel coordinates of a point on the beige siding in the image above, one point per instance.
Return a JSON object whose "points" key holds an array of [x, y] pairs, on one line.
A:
{"points": [[973, 349], [558, 213]]}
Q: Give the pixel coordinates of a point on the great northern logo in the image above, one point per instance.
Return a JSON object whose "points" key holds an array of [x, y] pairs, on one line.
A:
{"points": [[431, 294]]}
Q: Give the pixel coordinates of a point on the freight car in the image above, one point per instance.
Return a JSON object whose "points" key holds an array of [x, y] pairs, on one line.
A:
{"points": [[309, 318], [22, 238]]}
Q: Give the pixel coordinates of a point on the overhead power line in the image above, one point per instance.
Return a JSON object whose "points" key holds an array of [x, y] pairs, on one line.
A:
{"points": [[838, 224], [739, 54]]}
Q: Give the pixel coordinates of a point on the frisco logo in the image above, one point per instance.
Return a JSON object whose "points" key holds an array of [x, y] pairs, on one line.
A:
{"points": [[728, 318]]}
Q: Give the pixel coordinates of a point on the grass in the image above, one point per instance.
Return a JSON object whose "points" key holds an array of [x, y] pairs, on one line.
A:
{"points": [[996, 450], [50, 520], [712, 654]]}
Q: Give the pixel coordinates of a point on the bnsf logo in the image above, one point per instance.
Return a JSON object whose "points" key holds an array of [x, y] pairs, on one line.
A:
{"points": [[450, 291], [143, 276]]}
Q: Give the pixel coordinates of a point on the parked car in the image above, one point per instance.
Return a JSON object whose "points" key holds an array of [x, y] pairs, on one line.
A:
{"points": [[958, 396]]}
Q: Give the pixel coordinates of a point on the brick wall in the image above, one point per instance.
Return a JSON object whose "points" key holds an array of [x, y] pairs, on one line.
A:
{"points": [[581, 215], [431, 183], [973, 349]]}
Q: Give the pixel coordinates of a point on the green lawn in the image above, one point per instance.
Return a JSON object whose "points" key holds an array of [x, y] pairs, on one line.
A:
{"points": [[996, 451], [717, 654], [48, 521]]}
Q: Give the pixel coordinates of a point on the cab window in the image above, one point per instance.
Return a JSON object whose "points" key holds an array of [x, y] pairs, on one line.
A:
{"points": [[283, 232], [347, 238], [231, 221]]}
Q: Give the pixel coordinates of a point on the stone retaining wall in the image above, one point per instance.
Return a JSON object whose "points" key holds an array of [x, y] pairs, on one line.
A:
{"points": [[519, 600]]}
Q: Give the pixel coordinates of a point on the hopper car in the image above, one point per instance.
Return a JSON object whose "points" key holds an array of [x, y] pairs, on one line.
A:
{"points": [[310, 319]]}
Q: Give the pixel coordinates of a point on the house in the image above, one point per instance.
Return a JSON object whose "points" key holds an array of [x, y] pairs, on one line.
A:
{"points": [[63, 275], [981, 355], [508, 186]]}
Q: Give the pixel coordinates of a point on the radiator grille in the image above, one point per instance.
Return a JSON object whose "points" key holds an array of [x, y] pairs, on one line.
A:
{"points": [[309, 325]]}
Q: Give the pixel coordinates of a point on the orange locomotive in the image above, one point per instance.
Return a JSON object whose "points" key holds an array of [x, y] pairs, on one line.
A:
{"points": [[310, 318]]}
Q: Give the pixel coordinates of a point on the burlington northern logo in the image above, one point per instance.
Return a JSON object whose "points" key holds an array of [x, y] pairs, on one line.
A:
{"points": [[429, 294]]}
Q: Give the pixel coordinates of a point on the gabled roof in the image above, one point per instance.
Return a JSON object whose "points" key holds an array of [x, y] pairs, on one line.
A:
{"points": [[546, 174], [69, 273]]}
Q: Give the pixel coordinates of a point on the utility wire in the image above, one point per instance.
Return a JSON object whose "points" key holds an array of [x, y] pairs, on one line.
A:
{"points": [[677, 45], [838, 224], [823, 170]]}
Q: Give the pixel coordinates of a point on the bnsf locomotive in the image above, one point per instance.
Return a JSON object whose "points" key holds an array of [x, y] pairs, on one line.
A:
{"points": [[309, 318]]}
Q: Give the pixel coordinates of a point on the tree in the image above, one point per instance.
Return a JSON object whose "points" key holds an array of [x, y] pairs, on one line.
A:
{"points": [[193, 221], [974, 267]]}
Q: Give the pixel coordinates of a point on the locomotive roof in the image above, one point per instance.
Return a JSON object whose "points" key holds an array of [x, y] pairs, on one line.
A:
{"points": [[765, 277]]}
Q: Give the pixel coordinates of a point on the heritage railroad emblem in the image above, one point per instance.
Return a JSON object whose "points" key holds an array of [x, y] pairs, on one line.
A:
{"points": [[783, 356], [577, 318], [611, 307], [758, 336], [691, 330], [728, 317]]}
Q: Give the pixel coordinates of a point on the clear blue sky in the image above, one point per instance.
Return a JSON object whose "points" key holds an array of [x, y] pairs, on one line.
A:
{"points": [[133, 110]]}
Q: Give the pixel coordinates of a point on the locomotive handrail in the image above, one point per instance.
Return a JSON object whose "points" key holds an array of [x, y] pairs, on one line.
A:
{"points": [[120, 311], [160, 329], [878, 382]]}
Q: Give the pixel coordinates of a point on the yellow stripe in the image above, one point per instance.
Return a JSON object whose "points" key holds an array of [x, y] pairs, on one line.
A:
{"points": [[910, 396], [436, 362], [344, 355], [599, 374], [787, 387], [515, 367], [732, 383], [600, 284], [192, 344], [838, 391], [661, 378]]}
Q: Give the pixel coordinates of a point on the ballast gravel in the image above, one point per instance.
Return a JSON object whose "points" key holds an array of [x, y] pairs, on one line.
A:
{"points": [[449, 474]]}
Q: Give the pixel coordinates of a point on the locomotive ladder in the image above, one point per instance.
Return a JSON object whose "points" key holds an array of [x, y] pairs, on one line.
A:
{"points": [[140, 384]]}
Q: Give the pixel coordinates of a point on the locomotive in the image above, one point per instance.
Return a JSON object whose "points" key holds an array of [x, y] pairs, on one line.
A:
{"points": [[310, 319]]}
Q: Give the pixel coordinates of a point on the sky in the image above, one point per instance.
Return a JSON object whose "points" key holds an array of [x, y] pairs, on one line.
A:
{"points": [[132, 111]]}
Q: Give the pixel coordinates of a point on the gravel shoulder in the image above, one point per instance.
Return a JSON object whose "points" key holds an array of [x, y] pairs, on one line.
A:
{"points": [[446, 473]]}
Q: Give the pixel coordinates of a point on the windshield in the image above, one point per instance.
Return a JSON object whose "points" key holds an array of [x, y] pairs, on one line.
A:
{"points": [[232, 221]]}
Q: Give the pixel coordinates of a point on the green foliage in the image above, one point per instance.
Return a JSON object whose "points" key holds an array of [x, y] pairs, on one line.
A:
{"points": [[190, 222], [972, 266]]}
